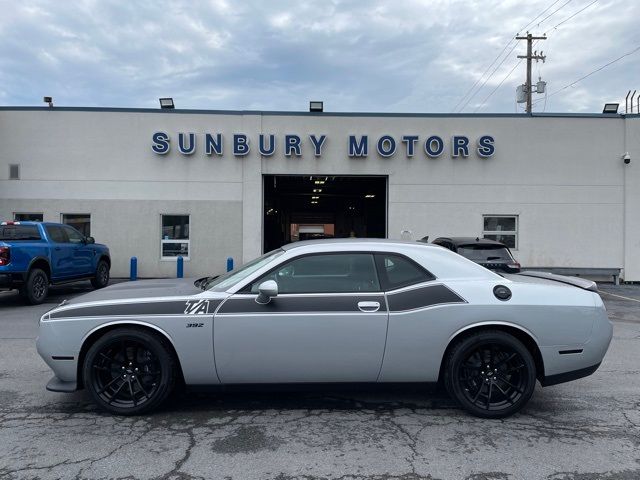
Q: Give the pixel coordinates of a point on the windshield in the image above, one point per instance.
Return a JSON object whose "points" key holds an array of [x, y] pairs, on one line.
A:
{"points": [[229, 279], [484, 253]]}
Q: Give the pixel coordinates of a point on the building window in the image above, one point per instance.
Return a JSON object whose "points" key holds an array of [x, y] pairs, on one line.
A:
{"points": [[503, 228], [14, 171], [174, 240], [27, 217], [79, 221]]}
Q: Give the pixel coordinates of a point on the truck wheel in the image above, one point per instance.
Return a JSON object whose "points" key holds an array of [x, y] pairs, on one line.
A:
{"points": [[101, 279], [36, 288]]}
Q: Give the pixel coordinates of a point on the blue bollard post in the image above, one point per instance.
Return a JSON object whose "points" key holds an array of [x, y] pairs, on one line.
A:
{"points": [[133, 270], [229, 264], [180, 264]]}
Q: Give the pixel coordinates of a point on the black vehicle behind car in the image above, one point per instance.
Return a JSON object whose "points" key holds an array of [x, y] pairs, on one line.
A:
{"points": [[488, 253]]}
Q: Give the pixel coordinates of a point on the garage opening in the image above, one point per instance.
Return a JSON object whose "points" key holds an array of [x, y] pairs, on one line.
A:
{"points": [[312, 207]]}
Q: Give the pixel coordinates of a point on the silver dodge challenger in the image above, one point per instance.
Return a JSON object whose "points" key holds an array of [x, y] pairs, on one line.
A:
{"points": [[331, 311]]}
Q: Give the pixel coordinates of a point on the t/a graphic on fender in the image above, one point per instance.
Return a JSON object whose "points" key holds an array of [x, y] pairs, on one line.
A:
{"points": [[196, 307]]}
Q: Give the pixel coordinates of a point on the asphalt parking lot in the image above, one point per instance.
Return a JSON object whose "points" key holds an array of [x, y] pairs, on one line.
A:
{"points": [[587, 429]]}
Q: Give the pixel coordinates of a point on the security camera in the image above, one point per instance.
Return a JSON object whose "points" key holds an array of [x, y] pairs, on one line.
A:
{"points": [[627, 158]]}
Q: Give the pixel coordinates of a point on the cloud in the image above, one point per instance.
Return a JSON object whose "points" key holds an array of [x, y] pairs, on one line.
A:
{"points": [[408, 56]]}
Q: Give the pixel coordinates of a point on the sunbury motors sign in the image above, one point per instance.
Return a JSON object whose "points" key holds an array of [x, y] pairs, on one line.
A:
{"points": [[291, 145]]}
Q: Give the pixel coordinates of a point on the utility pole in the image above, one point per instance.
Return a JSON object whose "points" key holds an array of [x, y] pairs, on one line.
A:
{"points": [[530, 56]]}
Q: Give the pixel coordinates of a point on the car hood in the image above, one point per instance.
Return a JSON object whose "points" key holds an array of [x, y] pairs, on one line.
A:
{"points": [[170, 287]]}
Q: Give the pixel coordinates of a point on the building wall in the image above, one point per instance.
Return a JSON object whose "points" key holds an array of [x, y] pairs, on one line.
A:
{"points": [[562, 175]]}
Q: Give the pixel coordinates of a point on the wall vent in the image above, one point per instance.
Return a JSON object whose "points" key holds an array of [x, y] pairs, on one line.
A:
{"points": [[14, 171]]}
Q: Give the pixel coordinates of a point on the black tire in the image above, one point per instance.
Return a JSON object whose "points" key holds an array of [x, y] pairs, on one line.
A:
{"points": [[129, 371], [491, 374], [101, 279], [36, 288]]}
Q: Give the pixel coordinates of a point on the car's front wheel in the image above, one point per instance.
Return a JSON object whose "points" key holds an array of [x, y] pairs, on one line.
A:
{"points": [[129, 371], [101, 279], [491, 374]]}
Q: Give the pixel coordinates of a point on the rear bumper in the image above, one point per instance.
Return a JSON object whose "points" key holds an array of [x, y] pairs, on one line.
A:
{"points": [[12, 279], [568, 376]]}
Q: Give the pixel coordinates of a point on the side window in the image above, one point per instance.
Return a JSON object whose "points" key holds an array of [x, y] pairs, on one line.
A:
{"points": [[329, 273], [56, 234], [397, 271], [73, 235]]}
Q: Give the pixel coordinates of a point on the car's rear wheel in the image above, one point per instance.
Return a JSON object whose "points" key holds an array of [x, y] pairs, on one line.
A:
{"points": [[101, 279], [36, 288], [129, 371], [491, 374]]}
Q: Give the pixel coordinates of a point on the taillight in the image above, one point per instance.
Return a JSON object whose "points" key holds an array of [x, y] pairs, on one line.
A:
{"points": [[5, 256], [514, 265]]}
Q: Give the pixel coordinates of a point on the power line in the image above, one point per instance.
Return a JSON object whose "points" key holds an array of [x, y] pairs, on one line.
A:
{"points": [[482, 76], [507, 55], [554, 12], [593, 72], [498, 56], [567, 19], [498, 86], [489, 77], [517, 64]]}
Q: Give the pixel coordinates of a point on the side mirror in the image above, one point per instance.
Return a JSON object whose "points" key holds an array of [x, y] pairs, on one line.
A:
{"points": [[89, 240], [268, 290]]}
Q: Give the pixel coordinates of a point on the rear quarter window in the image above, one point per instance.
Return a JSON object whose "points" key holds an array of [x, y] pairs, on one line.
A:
{"points": [[12, 233], [397, 271]]}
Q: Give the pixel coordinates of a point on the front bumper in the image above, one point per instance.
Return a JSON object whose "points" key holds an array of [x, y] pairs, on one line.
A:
{"points": [[57, 385]]}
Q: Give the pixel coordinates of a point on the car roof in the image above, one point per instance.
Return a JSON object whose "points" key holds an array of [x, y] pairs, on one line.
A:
{"points": [[459, 241], [366, 243]]}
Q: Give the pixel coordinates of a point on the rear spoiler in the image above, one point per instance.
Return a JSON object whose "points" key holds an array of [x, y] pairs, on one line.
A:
{"points": [[575, 281]]}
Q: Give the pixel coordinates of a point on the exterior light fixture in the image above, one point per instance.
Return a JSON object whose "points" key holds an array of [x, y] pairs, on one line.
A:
{"points": [[317, 190], [319, 182], [314, 198], [48, 100], [316, 106], [167, 103], [370, 195], [314, 202], [610, 108]]}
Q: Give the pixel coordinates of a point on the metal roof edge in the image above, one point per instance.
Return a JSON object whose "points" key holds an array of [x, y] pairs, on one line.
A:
{"points": [[314, 114]]}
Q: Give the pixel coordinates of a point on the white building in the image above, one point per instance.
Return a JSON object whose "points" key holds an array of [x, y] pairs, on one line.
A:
{"points": [[206, 184]]}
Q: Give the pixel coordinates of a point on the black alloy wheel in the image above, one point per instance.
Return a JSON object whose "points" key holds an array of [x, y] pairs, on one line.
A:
{"points": [[129, 371], [491, 374], [36, 287], [101, 279]]}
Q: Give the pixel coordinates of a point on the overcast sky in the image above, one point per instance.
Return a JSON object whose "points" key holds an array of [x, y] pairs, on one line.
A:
{"points": [[370, 56]]}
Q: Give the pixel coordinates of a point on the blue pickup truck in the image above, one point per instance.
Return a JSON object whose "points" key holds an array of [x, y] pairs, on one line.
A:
{"points": [[34, 255]]}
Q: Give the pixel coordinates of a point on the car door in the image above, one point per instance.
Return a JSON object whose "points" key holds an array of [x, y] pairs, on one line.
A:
{"points": [[61, 252], [328, 323], [82, 252]]}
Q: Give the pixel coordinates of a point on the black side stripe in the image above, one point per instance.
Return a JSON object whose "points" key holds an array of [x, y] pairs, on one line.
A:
{"points": [[181, 307], [423, 297], [311, 304]]}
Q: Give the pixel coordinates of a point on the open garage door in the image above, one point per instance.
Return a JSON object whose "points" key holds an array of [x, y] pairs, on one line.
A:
{"points": [[311, 206]]}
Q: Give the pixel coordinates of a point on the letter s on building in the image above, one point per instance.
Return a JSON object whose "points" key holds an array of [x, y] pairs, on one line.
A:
{"points": [[486, 148], [160, 143]]}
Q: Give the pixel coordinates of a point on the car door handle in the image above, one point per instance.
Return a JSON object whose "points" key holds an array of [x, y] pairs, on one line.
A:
{"points": [[369, 306]]}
